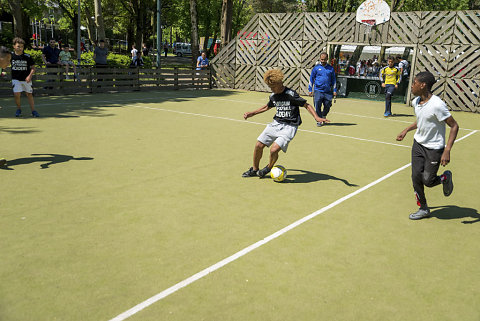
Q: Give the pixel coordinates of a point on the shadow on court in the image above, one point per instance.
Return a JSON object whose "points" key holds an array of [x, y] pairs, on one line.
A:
{"points": [[402, 115], [46, 159], [303, 176], [451, 212], [340, 124], [18, 130], [94, 105]]}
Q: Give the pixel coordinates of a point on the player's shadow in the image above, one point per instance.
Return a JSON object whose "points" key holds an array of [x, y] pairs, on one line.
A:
{"points": [[450, 212], [340, 124], [303, 176], [402, 115], [45, 159]]}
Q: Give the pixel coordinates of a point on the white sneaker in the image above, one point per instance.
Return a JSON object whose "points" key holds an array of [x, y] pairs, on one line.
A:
{"points": [[421, 213], [319, 124]]}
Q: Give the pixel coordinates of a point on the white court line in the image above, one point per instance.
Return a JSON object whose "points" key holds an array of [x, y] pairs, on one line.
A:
{"points": [[215, 98], [245, 251], [161, 295], [251, 122]]}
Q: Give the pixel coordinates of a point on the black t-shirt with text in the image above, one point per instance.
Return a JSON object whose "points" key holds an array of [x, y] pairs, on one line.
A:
{"points": [[21, 66], [287, 104]]}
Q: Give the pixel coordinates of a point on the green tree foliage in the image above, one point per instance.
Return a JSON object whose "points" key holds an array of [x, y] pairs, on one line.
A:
{"points": [[273, 6]]}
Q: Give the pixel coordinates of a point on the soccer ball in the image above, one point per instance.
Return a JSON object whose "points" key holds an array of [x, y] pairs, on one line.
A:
{"points": [[278, 173]]}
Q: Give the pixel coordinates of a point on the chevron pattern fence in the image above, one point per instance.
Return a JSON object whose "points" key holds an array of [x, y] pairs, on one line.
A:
{"points": [[447, 43]]}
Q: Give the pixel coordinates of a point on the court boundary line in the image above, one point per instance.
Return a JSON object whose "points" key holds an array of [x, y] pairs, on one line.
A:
{"points": [[212, 268], [224, 99], [257, 123]]}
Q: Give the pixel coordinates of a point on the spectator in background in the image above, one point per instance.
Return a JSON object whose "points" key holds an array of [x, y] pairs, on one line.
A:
{"points": [[66, 60], [165, 49], [50, 54], [145, 50], [134, 53], [23, 68], [202, 61], [322, 82], [100, 57]]}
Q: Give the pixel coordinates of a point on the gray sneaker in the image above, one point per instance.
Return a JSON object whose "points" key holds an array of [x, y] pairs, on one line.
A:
{"points": [[264, 171], [421, 213], [320, 124], [447, 183]]}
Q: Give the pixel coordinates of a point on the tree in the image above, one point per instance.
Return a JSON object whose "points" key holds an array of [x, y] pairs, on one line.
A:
{"points": [[226, 24], [99, 20], [274, 6], [194, 21], [20, 19]]}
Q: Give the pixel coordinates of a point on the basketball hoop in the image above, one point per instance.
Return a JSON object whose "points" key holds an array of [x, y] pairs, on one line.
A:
{"points": [[369, 24]]}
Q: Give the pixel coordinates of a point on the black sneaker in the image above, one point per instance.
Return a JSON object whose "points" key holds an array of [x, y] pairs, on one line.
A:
{"points": [[264, 171], [421, 213], [3, 162], [35, 114], [447, 183], [250, 173]]}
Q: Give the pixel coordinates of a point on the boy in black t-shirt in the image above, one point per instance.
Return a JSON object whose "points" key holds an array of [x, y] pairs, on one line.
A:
{"points": [[5, 57], [285, 122], [22, 73]]}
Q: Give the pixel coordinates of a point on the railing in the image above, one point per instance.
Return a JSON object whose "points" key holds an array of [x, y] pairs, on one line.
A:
{"points": [[90, 79]]}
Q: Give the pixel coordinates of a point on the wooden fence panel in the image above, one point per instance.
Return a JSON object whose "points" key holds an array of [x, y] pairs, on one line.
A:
{"points": [[267, 53], [223, 75], [290, 54], [432, 58], [464, 62], [292, 27], [341, 27], [467, 27], [404, 27], [315, 26], [270, 25], [462, 94], [436, 27], [311, 53], [245, 77]]}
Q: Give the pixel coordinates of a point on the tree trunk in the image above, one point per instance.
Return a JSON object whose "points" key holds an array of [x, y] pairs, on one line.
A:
{"points": [[356, 55], [16, 9], [99, 20], [381, 56], [194, 21], [90, 26], [226, 22]]}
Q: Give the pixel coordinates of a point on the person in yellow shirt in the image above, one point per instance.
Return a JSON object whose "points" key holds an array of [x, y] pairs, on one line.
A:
{"points": [[390, 76]]}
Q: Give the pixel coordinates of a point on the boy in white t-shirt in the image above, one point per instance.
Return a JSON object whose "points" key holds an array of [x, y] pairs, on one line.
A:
{"points": [[429, 150]]}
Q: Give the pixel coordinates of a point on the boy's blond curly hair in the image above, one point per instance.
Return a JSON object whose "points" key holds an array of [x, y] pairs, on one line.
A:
{"points": [[273, 77]]}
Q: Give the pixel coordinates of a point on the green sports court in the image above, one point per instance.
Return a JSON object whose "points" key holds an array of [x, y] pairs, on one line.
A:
{"points": [[132, 206]]}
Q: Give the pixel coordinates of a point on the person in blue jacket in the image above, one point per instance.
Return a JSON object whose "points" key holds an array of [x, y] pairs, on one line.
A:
{"points": [[322, 86]]}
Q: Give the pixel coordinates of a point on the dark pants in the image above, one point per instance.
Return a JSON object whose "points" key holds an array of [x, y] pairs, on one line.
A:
{"points": [[99, 73], [322, 98], [425, 164], [389, 89]]}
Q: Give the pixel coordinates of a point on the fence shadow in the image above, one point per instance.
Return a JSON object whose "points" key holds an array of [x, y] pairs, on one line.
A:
{"points": [[450, 212]]}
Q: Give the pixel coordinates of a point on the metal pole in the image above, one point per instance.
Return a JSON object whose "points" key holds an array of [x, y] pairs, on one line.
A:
{"points": [[79, 50], [159, 30]]}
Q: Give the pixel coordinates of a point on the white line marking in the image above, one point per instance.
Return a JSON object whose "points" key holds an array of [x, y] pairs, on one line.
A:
{"points": [[214, 98], [251, 122], [139, 307], [159, 296]]}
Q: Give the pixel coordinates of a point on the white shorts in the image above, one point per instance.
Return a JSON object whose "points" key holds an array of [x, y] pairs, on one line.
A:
{"points": [[19, 86], [279, 133]]}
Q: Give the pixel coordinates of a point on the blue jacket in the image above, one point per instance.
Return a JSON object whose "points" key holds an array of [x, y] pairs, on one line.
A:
{"points": [[323, 79]]}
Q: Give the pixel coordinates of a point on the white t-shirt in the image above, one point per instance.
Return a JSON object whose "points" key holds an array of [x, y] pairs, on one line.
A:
{"points": [[404, 64], [134, 53], [431, 122]]}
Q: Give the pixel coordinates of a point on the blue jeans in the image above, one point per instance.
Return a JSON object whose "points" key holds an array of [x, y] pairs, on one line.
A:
{"points": [[322, 98], [389, 89]]}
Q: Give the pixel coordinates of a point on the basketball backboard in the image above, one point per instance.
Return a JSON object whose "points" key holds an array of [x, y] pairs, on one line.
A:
{"points": [[373, 12]]}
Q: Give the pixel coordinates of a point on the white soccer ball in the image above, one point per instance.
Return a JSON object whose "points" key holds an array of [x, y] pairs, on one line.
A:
{"points": [[278, 173]]}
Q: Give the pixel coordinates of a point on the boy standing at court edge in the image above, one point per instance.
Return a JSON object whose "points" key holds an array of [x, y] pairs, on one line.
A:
{"points": [[22, 73], [5, 57], [390, 77], [429, 150], [285, 122]]}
